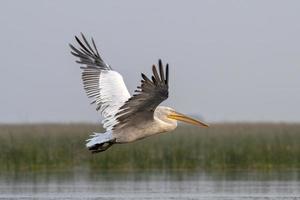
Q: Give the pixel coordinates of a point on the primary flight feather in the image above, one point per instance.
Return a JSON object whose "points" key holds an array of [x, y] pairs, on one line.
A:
{"points": [[126, 118]]}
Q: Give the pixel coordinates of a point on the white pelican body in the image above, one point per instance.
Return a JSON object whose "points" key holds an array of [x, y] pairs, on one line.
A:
{"points": [[146, 128], [126, 118]]}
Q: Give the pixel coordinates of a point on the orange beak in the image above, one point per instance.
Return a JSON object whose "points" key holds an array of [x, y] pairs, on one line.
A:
{"points": [[186, 119]]}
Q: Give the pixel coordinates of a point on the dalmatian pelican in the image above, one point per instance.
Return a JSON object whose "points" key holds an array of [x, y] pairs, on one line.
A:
{"points": [[126, 118]]}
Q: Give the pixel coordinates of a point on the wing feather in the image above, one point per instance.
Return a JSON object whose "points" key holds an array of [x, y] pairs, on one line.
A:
{"points": [[146, 98], [105, 86], [108, 90]]}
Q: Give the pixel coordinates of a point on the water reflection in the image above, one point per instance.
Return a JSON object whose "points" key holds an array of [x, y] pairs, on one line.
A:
{"points": [[151, 185]]}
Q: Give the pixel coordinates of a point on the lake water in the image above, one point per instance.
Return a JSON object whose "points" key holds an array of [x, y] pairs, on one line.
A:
{"points": [[152, 185]]}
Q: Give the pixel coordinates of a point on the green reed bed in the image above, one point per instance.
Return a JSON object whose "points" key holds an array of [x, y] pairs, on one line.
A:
{"points": [[54, 147]]}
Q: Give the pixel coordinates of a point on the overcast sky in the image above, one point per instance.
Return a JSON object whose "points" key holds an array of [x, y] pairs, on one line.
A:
{"points": [[229, 60]]}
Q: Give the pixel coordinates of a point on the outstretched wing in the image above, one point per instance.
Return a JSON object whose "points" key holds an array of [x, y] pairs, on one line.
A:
{"points": [[147, 97], [105, 86]]}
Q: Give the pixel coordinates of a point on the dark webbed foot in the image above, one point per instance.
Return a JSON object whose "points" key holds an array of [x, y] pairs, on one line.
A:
{"points": [[102, 147]]}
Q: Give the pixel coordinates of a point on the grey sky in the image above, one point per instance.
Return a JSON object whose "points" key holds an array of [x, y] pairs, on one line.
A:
{"points": [[229, 60]]}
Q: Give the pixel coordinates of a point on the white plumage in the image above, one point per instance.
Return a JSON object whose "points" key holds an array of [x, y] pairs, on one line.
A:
{"points": [[113, 94], [126, 118]]}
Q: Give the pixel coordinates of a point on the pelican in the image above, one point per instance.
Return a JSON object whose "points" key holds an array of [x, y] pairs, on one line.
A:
{"points": [[126, 118]]}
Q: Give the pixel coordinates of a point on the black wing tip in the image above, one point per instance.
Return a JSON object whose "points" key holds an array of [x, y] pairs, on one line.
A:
{"points": [[77, 37], [87, 52], [143, 76], [83, 43], [160, 65], [153, 67], [72, 49], [167, 74], [164, 76], [78, 40], [159, 62]]}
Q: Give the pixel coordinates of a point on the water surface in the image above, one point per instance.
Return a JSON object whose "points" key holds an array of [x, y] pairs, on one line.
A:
{"points": [[151, 185]]}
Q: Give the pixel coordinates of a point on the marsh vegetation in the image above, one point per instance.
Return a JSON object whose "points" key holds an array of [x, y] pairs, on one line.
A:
{"points": [[222, 146]]}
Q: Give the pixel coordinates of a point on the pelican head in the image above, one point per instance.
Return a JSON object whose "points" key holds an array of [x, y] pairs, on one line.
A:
{"points": [[169, 115]]}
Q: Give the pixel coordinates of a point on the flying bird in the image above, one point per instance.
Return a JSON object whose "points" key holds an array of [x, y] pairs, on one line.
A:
{"points": [[126, 118]]}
